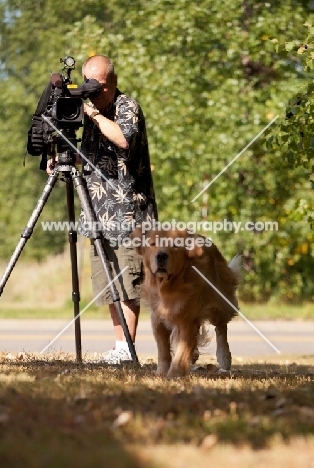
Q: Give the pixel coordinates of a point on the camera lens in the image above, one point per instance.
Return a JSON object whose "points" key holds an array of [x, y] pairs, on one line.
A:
{"points": [[69, 109]]}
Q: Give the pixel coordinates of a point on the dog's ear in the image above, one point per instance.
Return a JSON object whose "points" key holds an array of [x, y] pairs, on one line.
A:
{"points": [[136, 238], [196, 244], [195, 252]]}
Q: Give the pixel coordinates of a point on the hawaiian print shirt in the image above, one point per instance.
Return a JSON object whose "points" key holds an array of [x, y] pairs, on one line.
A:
{"points": [[119, 181]]}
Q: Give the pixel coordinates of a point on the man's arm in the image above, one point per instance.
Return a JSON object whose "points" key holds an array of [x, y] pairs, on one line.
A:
{"points": [[110, 129]]}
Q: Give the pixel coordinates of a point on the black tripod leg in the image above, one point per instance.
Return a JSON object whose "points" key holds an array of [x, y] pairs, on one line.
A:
{"points": [[91, 219], [72, 237], [28, 231]]}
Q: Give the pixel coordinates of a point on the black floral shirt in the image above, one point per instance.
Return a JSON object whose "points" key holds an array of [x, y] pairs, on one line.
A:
{"points": [[119, 181]]}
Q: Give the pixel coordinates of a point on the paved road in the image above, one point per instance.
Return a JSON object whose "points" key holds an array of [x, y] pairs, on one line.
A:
{"points": [[293, 338]]}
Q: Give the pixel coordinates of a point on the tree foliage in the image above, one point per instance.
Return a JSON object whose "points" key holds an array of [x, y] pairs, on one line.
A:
{"points": [[209, 80], [294, 132]]}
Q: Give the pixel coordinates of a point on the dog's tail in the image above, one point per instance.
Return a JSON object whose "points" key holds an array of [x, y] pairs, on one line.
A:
{"points": [[236, 266], [203, 338]]}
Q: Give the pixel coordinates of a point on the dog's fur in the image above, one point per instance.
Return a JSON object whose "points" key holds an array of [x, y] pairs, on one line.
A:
{"points": [[181, 300]]}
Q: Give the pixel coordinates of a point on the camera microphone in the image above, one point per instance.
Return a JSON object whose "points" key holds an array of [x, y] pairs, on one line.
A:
{"points": [[56, 80]]}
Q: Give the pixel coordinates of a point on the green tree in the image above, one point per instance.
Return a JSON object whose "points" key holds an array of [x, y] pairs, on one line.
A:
{"points": [[293, 133], [34, 35], [209, 80]]}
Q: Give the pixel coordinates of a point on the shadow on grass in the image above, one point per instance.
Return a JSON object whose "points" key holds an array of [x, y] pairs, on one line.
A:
{"points": [[48, 422], [69, 412]]}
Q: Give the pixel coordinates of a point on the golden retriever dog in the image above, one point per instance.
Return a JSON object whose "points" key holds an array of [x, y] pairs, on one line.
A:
{"points": [[180, 269]]}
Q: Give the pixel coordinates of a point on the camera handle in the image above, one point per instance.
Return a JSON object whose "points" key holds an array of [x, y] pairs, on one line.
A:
{"points": [[72, 178]]}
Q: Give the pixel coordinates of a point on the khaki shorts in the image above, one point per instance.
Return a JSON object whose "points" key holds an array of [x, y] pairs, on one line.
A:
{"points": [[128, 284]]}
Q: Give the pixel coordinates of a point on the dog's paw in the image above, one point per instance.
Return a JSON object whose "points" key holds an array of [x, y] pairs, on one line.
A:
{"points": [[224, 360], [163, 368], [175, 371]]}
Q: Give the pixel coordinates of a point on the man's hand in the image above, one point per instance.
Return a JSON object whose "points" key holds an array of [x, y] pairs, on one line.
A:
{"points": [[88, 109], [51, 165], [110, 129]]}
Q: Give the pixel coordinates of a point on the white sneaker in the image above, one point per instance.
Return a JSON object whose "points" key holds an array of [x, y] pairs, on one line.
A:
{"points": [[115, 357]]}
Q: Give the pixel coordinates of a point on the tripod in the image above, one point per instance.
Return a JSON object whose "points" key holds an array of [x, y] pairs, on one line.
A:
{"points": [[73, 178]]}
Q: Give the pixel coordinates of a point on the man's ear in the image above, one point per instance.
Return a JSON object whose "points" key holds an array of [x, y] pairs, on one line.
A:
{"points": [[136, 238]]}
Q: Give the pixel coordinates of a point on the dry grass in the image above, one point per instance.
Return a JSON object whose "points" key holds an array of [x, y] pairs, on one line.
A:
{"points": [[46, 284], [57, 413]]}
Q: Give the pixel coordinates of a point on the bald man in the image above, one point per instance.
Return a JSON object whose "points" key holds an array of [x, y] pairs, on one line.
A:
{"points": [[115, 142]]}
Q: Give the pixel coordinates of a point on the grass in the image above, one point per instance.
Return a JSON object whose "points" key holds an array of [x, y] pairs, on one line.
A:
{"points": [[251, 311], [278, 311], [58, 413], [43, 290]]}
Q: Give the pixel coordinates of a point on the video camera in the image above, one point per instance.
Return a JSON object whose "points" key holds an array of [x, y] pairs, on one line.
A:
{"points": [[65, 104], [60, 106]]}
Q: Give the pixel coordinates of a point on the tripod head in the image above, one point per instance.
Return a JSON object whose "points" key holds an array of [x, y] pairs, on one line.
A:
{"points": [[66, 162]]}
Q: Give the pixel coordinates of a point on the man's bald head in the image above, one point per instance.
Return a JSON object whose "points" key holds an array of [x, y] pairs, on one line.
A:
{"points": [[100, 68], [98, 65]]}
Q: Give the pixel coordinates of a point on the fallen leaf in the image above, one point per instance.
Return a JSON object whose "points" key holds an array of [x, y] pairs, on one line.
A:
{"points": [[122, 419], [4, 418], [209, 442]]}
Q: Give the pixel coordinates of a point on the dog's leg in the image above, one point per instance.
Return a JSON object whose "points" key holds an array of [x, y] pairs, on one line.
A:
{"points": [[162, 337], [223, 353], [186, 344]]}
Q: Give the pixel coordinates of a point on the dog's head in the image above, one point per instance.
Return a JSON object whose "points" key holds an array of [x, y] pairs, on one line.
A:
{"points": [[165, 253]]}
